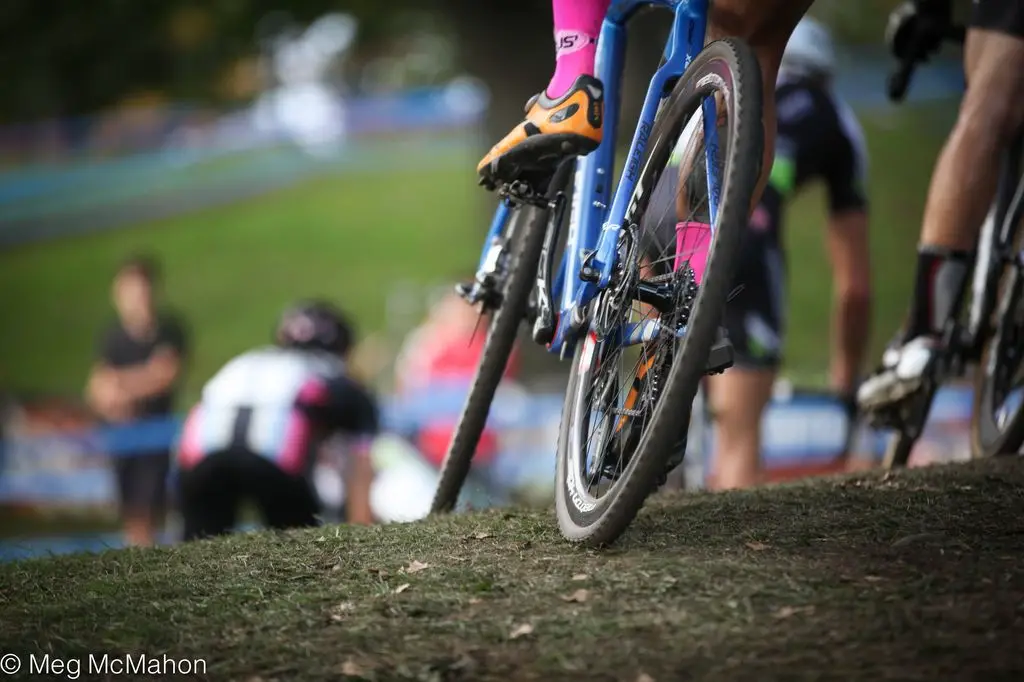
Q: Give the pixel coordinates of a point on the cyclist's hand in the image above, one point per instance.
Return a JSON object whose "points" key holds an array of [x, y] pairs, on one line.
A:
{"points": [[916, 28]]}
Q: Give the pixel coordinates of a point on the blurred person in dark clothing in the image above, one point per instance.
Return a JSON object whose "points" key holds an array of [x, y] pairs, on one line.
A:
{"points": [[264, 418], [819, 139], [139, 366]]}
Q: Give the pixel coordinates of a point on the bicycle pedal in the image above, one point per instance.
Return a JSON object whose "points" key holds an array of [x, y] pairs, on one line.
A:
{"points": [[720, 358]]}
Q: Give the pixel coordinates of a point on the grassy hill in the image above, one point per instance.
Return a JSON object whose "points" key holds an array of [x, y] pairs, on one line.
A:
{"points": [[354, 236], [913, 576]]}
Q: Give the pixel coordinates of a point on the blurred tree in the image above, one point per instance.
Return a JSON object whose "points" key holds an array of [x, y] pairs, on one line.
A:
{"points": [[863, 22], [64, 57], [67, 57], [855, 22]]}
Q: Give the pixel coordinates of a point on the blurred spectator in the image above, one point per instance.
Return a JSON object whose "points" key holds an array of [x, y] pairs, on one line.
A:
{"points": [[264, 418], [136, 375], [819, 138], [443, 353]]}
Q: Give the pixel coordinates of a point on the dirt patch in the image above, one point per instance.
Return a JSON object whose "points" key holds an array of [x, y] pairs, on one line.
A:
{"points": [[915, 576]]}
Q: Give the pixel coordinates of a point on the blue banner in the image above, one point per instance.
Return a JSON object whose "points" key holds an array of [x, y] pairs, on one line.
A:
{"points": [[802, 431]]}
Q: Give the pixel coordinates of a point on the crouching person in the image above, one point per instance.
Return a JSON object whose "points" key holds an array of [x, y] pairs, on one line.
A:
{"points": [[261, 421]]}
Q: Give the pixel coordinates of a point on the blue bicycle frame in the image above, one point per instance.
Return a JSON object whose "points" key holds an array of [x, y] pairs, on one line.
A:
{"points": [[593, 227]]}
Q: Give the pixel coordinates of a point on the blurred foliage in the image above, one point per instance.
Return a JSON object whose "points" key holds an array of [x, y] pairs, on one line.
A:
{"points": [[862, 21], [68, 57]]}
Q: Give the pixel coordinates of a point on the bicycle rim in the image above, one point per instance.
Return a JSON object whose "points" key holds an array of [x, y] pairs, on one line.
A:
{"points": [[596, 512], [997, 421]]}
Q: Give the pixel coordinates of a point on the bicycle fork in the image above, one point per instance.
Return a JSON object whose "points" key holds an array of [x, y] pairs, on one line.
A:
{"points": [[545, 319]]}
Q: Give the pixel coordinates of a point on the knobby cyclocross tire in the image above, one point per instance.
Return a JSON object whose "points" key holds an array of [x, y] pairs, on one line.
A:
{"points": [[901, 444], [988, 439], [527, 240], [730, 67], [897, 451]]}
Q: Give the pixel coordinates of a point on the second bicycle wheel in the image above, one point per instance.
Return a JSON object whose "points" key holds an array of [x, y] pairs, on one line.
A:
{"points": [[997, 421], [524, 240], [636, 372]]}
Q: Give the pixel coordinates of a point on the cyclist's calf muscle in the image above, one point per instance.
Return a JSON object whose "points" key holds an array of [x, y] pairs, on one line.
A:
{"points": [[766, 25], [991, 114]]}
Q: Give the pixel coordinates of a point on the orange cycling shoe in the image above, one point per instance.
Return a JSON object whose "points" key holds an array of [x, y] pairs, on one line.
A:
{"points": [[552, 131]]}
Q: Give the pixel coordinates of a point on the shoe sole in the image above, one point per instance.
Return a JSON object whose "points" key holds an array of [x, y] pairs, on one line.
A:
{"points": [[534, 158]]}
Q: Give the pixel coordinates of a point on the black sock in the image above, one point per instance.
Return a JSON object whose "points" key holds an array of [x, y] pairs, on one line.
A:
{"points": [[938, 289]]}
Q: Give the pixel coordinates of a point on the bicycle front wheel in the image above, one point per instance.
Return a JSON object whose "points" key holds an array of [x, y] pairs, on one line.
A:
{"points": [[524, 241], [628, 401]]}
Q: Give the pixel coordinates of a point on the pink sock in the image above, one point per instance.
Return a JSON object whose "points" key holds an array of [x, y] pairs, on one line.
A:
{"points": [[692, 243], [577, 24]]}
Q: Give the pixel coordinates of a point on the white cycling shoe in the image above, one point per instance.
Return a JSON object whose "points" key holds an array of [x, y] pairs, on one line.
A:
{"points": [[902, 373]]}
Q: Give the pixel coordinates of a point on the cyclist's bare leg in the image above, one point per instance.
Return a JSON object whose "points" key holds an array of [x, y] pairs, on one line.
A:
{"points": [[965, 177], [766, 25], [567, 117], [738, 398], [962, 188]]}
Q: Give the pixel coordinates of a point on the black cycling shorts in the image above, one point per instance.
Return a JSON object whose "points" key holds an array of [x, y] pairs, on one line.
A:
{"points": [[755, 313], [212, 491], [1002, 16], [142, 484]]}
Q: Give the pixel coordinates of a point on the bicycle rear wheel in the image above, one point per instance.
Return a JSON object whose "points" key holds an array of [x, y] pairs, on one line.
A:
{"points": [[525, 240], [635, 420], [997, 421]]}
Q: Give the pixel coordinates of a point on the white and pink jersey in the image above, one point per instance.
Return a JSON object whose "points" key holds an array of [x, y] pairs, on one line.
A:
{"points": [[278, 403]]}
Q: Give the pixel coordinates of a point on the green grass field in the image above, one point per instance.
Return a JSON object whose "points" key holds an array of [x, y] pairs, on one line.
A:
{"points": [[909, 576], [350, 237], [231, 269]]}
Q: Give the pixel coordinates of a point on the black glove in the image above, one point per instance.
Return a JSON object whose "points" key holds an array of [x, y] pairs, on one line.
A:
{"points": [[917, 27]]}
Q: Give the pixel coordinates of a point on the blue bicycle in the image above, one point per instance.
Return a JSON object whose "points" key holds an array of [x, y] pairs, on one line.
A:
{"points": [[642, 282]]}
